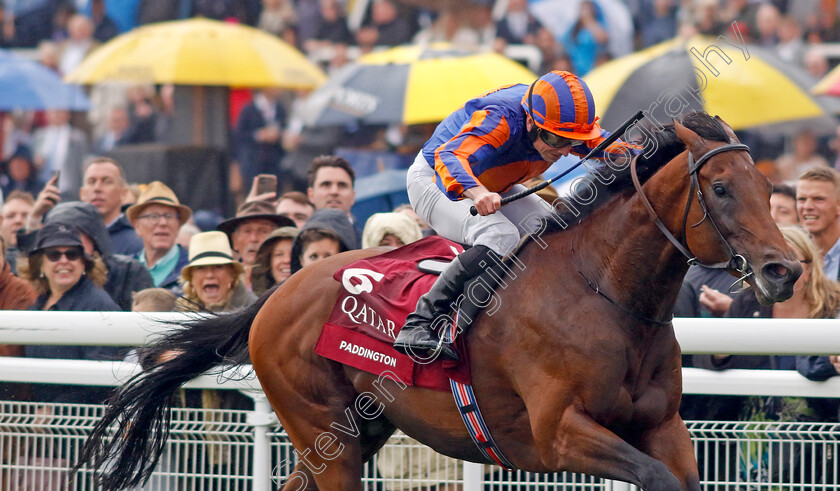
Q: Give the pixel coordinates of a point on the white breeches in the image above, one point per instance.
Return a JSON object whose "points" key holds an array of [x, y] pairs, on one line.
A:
{"points": [[500, 231]]}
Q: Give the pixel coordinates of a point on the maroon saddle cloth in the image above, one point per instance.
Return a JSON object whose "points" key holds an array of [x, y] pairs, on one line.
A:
{"points": [[377, 295]]}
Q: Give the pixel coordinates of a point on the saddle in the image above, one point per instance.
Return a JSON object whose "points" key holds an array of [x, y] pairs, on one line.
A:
{"points": [[470, 305], [377, 295]]}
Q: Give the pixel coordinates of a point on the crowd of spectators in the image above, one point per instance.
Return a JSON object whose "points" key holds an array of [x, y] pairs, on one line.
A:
{"points": [[267, 135]]}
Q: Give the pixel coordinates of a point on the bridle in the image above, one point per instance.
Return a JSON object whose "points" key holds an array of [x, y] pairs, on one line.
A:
{"points": [[736, 261]]}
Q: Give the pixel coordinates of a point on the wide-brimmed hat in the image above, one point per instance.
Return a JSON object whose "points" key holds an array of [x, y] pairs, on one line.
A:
{"points": [[207, 249], [252, 210], [158, 193], [57, 235]]}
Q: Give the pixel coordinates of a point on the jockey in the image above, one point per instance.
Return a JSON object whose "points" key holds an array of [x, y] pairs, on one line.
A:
{"points": [[482, 152]]}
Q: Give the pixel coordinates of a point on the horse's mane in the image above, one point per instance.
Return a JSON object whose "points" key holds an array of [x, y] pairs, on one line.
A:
{"points": [[661, 144], [666, 144]]}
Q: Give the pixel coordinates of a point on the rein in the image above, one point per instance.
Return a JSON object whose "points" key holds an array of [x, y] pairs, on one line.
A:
{"points": [[597, 289], [736, 261]]}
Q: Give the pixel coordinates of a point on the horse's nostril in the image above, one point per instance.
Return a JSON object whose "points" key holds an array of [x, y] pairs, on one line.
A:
{"points": [[775, 271]]}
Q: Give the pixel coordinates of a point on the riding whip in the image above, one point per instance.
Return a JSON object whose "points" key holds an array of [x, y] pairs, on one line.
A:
{"points": [[601, 147]]}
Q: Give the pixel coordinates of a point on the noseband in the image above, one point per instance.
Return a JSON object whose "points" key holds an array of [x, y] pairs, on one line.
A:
{"points": [[736, 261]]}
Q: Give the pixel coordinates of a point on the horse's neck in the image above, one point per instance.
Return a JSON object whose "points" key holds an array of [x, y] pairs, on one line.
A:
{"points": [[628, 256]]}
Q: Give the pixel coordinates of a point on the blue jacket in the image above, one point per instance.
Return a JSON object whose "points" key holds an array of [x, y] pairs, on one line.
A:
{"points": [[124, 240], [486, 143], [84, 296], [817, 368], [172, 282]]}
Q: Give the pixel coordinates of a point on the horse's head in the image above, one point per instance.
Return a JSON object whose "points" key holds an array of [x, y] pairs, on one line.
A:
{"points": [[734, 199]]}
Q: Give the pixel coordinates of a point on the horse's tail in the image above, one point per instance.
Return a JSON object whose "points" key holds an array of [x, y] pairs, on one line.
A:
{"points": [[141, 408]]}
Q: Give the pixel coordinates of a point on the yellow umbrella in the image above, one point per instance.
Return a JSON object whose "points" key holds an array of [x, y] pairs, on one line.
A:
{"points": [[759, 92], [410, 85], [199, 52]]}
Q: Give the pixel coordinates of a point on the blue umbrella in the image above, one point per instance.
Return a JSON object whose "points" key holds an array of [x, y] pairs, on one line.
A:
{"points": [[26, 84], [378, 193]]}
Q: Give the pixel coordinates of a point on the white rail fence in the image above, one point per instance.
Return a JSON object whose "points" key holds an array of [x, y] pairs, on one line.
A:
{"points": [[706, 336]]}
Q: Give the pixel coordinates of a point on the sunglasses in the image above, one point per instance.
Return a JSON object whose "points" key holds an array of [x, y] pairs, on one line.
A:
{"points": [[556, 141], [71, 255]]}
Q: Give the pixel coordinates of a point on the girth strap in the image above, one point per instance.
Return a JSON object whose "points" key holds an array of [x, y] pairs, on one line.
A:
{"points": [[465, 400], [468, 408]]}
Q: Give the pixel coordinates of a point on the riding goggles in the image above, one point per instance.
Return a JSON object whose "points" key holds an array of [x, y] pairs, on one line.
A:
{"points": [[554, 140]]}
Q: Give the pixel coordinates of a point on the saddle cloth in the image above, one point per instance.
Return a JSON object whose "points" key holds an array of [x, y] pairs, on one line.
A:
{"points": [[377, 295]]}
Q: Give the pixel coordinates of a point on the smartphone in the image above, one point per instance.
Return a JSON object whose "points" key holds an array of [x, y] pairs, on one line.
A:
{"points": [[266, 183], [57, 175]]}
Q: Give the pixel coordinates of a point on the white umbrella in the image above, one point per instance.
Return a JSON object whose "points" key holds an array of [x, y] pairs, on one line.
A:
{"points": [[560, 15]]}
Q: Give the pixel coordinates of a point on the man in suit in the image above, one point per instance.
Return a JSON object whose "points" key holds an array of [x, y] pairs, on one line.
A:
{"points": [[259, 135]]}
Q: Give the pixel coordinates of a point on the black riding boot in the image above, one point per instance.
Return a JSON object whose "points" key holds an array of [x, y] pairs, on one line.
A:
{"points": [[418, 336]]}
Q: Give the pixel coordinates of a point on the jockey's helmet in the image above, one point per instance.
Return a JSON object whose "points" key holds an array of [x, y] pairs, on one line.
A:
{"points": [[561, 103]]}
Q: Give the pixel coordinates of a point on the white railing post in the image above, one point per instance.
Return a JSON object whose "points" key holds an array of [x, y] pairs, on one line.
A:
{"points": [[610, 485], [473, 476], [261, 419]]}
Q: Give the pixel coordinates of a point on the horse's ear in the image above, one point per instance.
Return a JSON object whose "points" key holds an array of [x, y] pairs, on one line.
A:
{"points": [[695, 143], [728, 130]]}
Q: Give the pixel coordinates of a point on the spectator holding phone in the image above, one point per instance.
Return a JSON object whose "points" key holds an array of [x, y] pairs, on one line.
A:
{"points": [[104, 186], [264, 188], [44, 202]]}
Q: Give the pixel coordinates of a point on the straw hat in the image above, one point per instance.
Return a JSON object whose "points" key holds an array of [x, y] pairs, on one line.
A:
{"points": [[158, 193], [255, 210], [207, 249]]}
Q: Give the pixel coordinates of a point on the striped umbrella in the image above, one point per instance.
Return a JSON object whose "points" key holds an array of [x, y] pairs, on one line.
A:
{"points": [[829, 84], [409, 85], [747, 86]]}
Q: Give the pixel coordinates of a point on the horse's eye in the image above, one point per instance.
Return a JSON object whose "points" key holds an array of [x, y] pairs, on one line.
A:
{"points": [[719, 190]]}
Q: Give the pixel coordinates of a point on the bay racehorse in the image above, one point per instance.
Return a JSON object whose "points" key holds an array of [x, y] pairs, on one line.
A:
{"points": [[577, 370]]}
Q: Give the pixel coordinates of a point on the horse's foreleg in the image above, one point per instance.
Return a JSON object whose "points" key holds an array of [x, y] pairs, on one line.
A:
{"points": [[671, 443], [300, 479], [582, 445]]}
